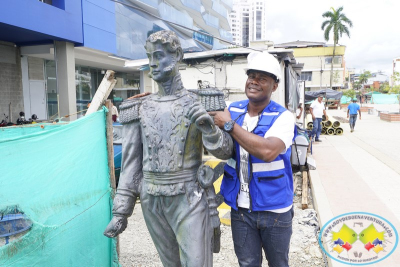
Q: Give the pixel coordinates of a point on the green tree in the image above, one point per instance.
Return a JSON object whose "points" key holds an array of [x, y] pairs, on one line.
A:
{"points": [[395, 89], [350, 93], [356, 85], [335, 23], [336, 76], [395, 77], [363, 78], [384, 88]]}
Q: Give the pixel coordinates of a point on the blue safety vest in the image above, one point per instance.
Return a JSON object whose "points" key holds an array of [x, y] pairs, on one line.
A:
{"points": [[270, 183]]}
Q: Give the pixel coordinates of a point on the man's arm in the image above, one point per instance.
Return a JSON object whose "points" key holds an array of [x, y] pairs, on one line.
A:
{"points": [[326, 116], [266, 149], [312, 114], [301, 111], [359, 112], [348, 112]]}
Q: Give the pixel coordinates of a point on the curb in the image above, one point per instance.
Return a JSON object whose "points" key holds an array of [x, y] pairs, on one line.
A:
{"points": [[323, 208]]}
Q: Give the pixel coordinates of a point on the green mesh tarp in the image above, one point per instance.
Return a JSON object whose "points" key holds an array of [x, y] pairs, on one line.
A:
{"points": [[57, 176], [345, 99], [373, 93], [384, 99]]}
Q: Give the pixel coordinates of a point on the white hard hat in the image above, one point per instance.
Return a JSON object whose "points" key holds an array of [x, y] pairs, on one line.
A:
{"points": [[263, 61]]}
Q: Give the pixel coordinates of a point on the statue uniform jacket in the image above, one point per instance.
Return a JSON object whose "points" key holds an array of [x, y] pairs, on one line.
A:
{"points": [[270, 183], [160, 147]]}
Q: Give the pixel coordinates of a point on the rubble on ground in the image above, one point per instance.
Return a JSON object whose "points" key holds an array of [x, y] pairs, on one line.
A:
{"points": [[304, 246]]}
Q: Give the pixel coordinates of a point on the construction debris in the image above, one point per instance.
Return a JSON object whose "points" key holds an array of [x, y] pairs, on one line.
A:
{"points": [[304, 246], [304, 193], [328, 127]]}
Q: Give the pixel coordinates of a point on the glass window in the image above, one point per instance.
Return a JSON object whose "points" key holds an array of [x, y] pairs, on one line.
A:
{"points": [[51, 85], [127, 85], [337, 60], [49, 2], [203, 38], [306, 76], [84, 86]]}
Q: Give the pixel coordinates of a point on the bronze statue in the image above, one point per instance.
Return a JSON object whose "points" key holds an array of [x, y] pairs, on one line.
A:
{"points": [[163, 134]]}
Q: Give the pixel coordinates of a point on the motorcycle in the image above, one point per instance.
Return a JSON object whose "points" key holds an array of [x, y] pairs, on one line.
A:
{"points": [[5, 123]]}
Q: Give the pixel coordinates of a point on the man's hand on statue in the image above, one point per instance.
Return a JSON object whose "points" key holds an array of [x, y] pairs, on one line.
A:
{"points": [[117, 225], [198, 115], [220, 117]]}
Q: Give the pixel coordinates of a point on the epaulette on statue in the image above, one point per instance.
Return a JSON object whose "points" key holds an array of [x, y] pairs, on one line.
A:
{"points": [[129, 109], [212, 99]]}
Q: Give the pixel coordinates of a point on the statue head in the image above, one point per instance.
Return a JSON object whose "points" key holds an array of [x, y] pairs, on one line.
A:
{"points": [[164, 52]]}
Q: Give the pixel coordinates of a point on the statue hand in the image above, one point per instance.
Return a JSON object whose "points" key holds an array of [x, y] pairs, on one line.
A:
{"points": [[205, 176], [116, 226], [198, 115]]}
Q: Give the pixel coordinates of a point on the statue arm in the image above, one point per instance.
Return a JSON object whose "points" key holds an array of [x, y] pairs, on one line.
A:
{"points": [[216, 141], [130, 181], [219, 143]]}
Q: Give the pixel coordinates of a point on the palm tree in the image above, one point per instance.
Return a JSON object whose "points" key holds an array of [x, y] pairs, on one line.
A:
{"points": [[335, 22], [363, 78]]}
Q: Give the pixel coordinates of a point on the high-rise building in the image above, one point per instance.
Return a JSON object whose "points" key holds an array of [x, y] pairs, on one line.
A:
{"points": [[248, 21]]}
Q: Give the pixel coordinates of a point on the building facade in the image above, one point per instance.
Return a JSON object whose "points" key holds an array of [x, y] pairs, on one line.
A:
{"points": [[248, 21], [54, 53], [317, 59], [395, 79]]}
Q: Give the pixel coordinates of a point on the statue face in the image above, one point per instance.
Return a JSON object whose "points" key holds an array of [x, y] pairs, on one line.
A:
{"points": [[162, 62]]}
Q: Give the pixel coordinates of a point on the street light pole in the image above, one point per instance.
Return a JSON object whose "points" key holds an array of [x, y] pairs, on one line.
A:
{"points": [[320, 82], [321, 71]]}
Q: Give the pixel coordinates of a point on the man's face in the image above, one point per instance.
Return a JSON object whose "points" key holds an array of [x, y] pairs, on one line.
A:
{"points": [[162, 63], [320, 99], [259, 87]]}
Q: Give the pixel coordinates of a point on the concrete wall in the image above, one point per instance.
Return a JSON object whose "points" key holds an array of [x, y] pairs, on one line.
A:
{"points": [[10, 81], [313, 64]]}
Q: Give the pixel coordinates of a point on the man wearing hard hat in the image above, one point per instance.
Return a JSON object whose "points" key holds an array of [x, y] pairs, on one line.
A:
{"points": [[258, 182]]}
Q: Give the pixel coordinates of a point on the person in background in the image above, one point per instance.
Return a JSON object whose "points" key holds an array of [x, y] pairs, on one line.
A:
{"points": [[114, 113], [352, 113], [299, 111], [317, 109]]}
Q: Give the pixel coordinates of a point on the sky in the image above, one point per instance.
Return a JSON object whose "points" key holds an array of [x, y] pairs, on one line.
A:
{"points": [[374, 38]]}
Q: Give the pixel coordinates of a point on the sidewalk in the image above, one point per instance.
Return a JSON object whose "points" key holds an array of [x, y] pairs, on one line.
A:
{"points": [[359, 172]]}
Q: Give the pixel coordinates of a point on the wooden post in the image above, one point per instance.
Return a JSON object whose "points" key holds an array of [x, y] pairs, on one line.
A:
{"points": [[110, 153], [110, 147], [304, 192], [104, 90]]}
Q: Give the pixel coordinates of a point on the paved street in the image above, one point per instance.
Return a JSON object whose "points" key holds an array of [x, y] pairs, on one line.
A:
{"points": [[360, 171]]}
